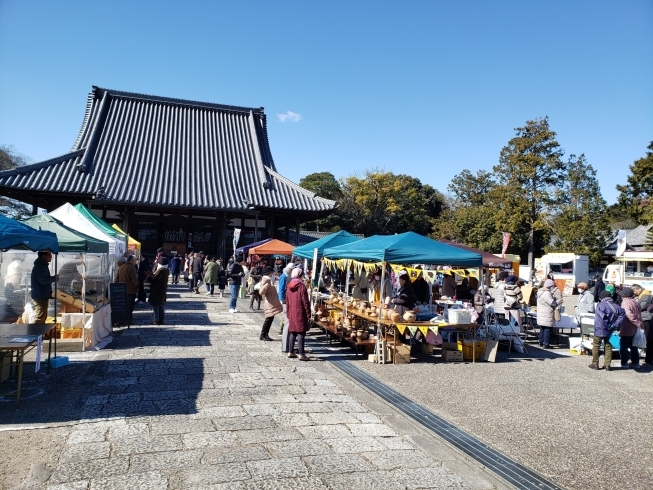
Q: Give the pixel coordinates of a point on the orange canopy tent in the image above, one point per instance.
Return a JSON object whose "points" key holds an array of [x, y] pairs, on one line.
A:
{"points": [[272, 247]]}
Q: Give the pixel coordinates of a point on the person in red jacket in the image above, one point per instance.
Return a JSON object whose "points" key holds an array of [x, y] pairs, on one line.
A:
{"points": [[299, 313]]}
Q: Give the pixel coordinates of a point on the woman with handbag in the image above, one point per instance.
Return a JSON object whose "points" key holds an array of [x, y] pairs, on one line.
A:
{"points": [[546, 305], [629, 328], [271, 303]]}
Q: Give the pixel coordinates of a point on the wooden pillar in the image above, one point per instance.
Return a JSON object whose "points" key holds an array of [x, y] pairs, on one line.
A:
{"points": [[296, 231]]}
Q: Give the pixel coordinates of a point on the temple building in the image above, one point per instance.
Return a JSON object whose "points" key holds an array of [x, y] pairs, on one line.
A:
{"points": [[173, 173]]}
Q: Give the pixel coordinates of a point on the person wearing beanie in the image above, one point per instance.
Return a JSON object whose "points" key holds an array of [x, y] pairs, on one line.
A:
{"points": [[631, 323], [271, 304], [608, 317], [546, 304], [585, 301], [158, 290]]}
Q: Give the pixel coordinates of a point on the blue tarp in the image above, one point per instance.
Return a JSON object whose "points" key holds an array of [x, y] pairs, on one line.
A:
{"points": [[17, 235], [406, 248], [334, 240]]}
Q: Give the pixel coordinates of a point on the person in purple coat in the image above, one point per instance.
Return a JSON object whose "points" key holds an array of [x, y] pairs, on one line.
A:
{"points": [[608, 317]]}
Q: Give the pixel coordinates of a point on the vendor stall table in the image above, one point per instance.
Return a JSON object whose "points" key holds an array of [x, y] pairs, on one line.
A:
{"points": [[31, 332], [471, 328]]}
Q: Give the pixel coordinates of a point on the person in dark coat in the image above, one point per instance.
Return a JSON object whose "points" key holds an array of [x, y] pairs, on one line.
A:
{"points": [[235, 275], [421, 289], [144, 270], [175, 268], [632, 321], [255, 275], [158, 290], [405, 299], [299, 313], [599, 287], [41, 282], [197, 270], [608, 317]]}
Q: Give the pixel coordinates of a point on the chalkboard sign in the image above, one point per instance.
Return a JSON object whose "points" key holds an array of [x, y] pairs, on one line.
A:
{"points": [[118, 295]]}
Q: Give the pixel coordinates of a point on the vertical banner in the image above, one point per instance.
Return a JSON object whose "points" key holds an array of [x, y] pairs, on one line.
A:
{"points": [[621, 243], [39, 349], [236, 238], [504, 244]]}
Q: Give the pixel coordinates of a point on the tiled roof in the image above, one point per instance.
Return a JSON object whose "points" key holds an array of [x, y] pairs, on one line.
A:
{"points": [[636, 239], [156, 151]]}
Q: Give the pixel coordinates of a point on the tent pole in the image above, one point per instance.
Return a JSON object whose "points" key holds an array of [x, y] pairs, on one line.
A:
{"points": [[55, 307], [380, 344], [84, 305]]}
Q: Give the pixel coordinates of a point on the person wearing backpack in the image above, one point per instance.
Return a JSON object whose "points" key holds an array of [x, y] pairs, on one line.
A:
{"points": [[513, 298], [608, 317]]}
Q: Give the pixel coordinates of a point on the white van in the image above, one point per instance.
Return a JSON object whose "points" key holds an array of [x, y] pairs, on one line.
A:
{"points": [[631, 268]]}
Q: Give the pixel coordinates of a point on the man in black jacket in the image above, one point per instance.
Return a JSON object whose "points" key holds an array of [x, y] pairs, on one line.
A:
{"points": [[235, 275], [198, 268]]}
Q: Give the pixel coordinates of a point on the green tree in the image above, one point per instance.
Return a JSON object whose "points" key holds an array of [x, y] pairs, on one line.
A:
{"points": [[635, 198], [469, 215], [325, 185], [530, 172], [580, 223], [9, 159], [382, 203]]}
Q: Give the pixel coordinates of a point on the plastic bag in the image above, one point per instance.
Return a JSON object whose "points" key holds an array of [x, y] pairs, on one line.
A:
{"points": [[639, 340]]}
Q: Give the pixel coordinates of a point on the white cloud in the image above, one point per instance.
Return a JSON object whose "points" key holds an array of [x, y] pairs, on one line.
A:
{"points": [[289, 116]]}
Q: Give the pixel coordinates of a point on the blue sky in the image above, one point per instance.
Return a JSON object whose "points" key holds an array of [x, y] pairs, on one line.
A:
{"points": [[425, 88]]}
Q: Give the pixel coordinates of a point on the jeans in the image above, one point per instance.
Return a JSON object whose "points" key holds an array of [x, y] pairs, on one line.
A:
{"points": [[158, 314], [300, 342], [626, 343], [233, 290], [596, 345], [545, 335], [210, 288], [131, 301]]}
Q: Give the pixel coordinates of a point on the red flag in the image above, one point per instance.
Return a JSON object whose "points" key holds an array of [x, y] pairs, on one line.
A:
{"points": [[506, 242]]}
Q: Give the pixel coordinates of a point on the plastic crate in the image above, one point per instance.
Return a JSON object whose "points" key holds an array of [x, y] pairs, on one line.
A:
{"points": [[460, 316]]}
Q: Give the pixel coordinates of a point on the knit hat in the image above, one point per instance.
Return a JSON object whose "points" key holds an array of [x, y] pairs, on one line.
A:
{"points": [[626, 293], [549, 283], [267, 270], [610, 288], [163, 261], [296, 272], [604, 294], [511, 278]]}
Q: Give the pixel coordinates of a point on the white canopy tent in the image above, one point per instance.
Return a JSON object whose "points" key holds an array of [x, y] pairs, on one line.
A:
{"points": [[72, 218]]}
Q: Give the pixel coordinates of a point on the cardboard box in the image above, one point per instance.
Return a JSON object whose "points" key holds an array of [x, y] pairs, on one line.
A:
{"points": [[427, 348], [452, 356], [401, 354], [451, 346], [5, 366]]}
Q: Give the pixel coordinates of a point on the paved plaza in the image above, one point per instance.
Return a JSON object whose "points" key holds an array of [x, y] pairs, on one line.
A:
{"points": [[201, 402]]}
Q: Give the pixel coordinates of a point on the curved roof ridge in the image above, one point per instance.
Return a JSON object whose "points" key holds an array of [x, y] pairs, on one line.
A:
{"points": [[87, 117], [172, 100], [23, 169], [299, 188]]}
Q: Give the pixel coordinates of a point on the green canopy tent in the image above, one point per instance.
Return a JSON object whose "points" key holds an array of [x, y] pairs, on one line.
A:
{"points": [[69, 239], [100, 223], [334, 240], [406, 248]]}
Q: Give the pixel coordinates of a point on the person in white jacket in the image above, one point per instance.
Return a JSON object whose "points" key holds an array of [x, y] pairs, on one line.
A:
{"points": [[500, 294]]}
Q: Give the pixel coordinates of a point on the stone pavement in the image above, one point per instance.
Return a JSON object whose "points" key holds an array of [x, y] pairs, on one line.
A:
{"points": [[202, 403]]}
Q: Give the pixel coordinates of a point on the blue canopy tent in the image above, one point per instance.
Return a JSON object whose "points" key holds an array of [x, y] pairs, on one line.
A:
{"points": [[406, 248], [334, 240], [17, 235], [245, 248]]}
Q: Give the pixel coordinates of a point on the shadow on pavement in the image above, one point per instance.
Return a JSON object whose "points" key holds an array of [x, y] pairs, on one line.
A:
{"points": [[99, 389]]}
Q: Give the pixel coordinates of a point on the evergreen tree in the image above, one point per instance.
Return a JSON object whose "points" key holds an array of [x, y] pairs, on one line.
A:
{"points": [[530, 172], [635, 198], [9, 159], [580, 223]]}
